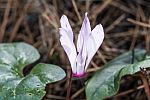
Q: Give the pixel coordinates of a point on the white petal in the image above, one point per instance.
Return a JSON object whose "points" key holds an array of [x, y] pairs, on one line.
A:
{"points": [[85, 31], [65, 24], [69, 48], [94, 42], [82, 39], [81, 58]]}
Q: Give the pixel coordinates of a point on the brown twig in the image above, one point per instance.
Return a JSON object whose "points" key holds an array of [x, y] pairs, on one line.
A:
{"points": [[146, 86], [146, 30], [129, 91], [134, 34], [148, 40], [87, 5], [115, 23], [100, 8], [42, 31], [51, 15], [138, 23], [16, 26], [93, 69], [121, 7], [77, 93], [55, 97], [5, 20], [102, 57], [76, 10]]}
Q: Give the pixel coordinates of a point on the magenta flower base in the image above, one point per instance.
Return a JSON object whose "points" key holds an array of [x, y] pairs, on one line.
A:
{"points": [[78, 75]]}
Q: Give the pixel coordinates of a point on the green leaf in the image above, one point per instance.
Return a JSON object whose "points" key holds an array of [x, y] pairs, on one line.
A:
{"points": [[48, 73], [105, 82], [13, 84], [17, 55]]}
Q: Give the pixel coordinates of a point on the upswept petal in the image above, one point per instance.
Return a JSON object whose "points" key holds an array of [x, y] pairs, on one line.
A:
{"points": [[85, 31], [65, 24], [93, 43], [82, 38], [81, 59], [69, 48]]}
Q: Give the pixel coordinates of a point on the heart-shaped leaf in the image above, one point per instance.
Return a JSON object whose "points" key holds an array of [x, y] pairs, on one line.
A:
{"points": [[105, 82], [13, 84]]}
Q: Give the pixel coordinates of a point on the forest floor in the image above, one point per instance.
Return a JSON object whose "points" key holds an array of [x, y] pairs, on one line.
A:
{"points": [[126, 25]]}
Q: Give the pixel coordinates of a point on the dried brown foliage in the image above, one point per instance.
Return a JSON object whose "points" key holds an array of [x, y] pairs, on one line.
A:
{"points": [[126, 24]]}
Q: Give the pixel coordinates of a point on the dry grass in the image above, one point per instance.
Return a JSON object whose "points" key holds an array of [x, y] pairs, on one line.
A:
{"points": [[126, 24]]}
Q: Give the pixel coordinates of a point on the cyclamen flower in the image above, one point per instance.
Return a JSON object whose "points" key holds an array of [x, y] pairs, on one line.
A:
{"points": [[88, 43]]}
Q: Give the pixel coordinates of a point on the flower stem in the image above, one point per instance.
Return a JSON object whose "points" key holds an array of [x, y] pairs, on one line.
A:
{"points": [[69, 86]]}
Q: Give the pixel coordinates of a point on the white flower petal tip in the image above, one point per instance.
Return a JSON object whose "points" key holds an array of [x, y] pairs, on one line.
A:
{"points": [[87, 44], [86, 13]]}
